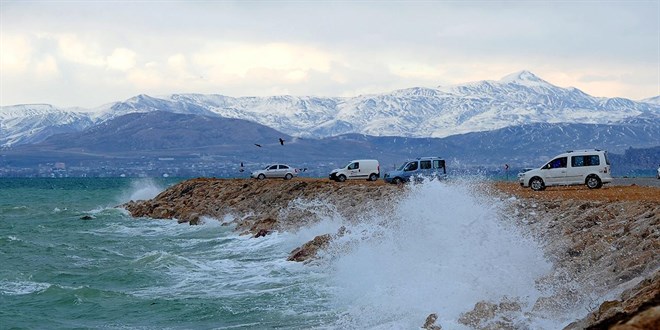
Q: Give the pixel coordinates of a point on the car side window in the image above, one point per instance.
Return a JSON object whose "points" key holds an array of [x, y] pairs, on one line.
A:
{"points": [[274, 167], [577, 161], [284, 167], [412, 166], [556, 163], [354, 166], [425, 164], [589, 160]]}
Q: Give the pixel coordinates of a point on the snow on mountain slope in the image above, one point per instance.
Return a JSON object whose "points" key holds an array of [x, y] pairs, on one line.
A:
{"points": [[23, 124], [652, 100], [516, 99]]}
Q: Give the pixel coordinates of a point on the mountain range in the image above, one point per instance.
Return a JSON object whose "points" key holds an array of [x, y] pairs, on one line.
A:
{"points": [[520, 119], [517, 99]]}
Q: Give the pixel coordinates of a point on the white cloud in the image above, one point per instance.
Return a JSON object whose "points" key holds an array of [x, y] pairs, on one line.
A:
{"points": [[72, 48], [15, 54], [321, 48], [46, 67], [121, 59]]}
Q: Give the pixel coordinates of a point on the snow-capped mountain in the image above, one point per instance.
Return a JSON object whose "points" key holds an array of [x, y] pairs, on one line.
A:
{"points": [[26, 124], [516, 99]]}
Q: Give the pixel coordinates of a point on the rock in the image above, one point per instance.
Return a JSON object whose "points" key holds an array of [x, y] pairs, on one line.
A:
{"points": [[429, 324], [261, 233], [86, 217], [263, 227], [488, 315], [648, 319], [310, 249], [638, 306]]}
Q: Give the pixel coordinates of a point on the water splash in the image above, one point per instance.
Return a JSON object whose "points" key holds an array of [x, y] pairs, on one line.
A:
{"points": [[141, 189], [445, 249]]}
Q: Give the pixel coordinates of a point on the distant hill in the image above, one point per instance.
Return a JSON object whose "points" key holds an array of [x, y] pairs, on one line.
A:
{"points": [[161, 130], [188, 139]]}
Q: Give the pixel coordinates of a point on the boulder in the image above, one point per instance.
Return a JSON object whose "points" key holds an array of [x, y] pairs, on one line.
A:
{"points": [[429, 324], [309, 250]]}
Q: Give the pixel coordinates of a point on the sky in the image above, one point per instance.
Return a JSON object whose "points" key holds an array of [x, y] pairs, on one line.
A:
{"points": [[90, 53]]}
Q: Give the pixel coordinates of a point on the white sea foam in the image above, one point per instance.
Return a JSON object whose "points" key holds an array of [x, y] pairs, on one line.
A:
{"points": [[444, 250], [14, 288]]}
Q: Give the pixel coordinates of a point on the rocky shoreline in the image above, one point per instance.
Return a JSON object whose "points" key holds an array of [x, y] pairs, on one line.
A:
{"points": [[601, 240]]}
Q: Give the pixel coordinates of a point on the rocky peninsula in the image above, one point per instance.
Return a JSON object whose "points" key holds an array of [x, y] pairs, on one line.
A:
{"points": [[603, 241]]}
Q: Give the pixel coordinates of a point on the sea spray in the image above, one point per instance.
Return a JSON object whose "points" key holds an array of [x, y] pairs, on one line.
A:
{"points": [[442, 251], [141, 189]]}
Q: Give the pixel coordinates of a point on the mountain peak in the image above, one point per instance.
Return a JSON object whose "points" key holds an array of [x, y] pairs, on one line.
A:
{"points": [[523, 77]]}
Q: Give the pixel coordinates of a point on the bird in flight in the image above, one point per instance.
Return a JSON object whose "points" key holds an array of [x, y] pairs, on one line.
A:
{"points": [[281, 141], [258, 145]]}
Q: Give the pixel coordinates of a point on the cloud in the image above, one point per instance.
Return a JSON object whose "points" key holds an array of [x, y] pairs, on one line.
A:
{"points": [[243, 59], [73, 49], [46, 67], [16, 53], [321, 48], [121, 59]]}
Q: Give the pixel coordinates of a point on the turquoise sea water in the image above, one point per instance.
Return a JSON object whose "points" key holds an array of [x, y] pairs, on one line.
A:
{"points": [[443, 250], [58, 271]]}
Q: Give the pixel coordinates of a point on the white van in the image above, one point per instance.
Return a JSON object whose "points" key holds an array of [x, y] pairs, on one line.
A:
{"points": [[590, 167], [368, 169]]}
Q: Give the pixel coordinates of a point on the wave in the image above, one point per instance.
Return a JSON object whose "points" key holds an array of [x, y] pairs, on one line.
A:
{"points": [[445, 248], [20, 287]]}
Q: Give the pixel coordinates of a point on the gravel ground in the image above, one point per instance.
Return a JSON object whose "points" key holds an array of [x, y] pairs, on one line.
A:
{"points": [[646, 182]]}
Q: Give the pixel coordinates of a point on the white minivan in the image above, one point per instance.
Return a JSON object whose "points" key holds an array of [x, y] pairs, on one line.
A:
{"points": [[589, 167], [368, 169]]}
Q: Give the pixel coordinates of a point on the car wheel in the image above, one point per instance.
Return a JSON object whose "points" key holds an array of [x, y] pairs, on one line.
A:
{"points": [[261, 177], [593, 182], [373, 177], [536, 184], [288, 176], [397, 180], [341, 178]]}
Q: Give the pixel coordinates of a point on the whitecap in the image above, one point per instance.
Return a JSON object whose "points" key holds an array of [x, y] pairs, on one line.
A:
{"points": [[15, 288]]}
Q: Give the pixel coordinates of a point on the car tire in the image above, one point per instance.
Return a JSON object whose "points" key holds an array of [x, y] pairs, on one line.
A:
{"points": [[536, 184], [261, 177], [288, 176], [397, 180], [373, 177], [593, 182], [341, 178]]}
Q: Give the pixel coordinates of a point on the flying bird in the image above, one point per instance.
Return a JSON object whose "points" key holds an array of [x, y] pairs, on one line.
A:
{"points": [[281, 141], [258, 145]]}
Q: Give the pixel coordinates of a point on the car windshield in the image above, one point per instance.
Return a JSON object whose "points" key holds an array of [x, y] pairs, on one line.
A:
{"points": [[400, 168]]}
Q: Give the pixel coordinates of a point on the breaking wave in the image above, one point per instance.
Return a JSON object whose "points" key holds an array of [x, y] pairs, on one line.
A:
{"points": [[445, 248], [141, 189]]}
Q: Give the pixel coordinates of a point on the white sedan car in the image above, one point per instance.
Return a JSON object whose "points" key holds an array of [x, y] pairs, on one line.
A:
{"points": [[283, 171], [658, 174]]}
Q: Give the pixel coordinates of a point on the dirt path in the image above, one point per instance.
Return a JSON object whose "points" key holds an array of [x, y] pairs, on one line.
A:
{"points": [[609, 193]]}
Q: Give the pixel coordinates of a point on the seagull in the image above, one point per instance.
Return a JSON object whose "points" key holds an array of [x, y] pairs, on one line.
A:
{"points": [[258, 145], [281, 141]]}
